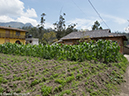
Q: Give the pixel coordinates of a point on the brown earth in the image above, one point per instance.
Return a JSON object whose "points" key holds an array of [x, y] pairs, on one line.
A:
{"points": [[24, 74], [125, 86]]}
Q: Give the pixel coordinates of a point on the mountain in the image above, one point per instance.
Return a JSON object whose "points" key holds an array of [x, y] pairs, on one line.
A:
{"points": [[15, 24]]}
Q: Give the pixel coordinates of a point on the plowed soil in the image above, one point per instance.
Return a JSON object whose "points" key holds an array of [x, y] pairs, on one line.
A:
{"points": [[40, 77]]}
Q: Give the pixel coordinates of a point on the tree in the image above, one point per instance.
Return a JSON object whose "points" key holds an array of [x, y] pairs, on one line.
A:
{"points": [[96, 26], [49, 37], [41, 27], [60, 27], [42, 19]]}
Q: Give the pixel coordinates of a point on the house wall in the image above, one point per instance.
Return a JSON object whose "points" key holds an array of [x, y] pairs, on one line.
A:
{"points": [[11, 40], [2, 30], [118, 39], [4, 40], [126, 50], [14, 40]]}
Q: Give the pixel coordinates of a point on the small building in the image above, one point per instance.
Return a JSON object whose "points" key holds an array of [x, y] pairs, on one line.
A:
{"points": [[12, 35], [33, 41], [104, 34]]}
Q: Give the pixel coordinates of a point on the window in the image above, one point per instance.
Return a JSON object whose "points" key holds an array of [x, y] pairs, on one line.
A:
{"points": [[30, 41], [17, 33]]}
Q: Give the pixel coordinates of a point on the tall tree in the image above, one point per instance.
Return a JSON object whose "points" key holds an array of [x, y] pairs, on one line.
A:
{"points": [[42, 19], [96, 26], [41, 27], [60, 27]]}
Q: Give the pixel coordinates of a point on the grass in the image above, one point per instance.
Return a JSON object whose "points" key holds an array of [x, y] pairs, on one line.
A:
{"points": [[41, 77]]}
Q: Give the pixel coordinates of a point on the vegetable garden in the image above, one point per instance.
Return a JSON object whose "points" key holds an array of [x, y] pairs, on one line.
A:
{"points": [[102, 50], [34, 74]]}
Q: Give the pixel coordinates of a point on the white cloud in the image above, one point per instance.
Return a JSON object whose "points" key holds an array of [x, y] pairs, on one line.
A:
{"points": [[83, 23], [48, 25], [115, 19], [14, 10], [11, 7], [24, 19], [30, 13], [5, 19]]}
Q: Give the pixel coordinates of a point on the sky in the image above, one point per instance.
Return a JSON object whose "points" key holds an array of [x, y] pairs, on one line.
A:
{"points": [[115, 13]]}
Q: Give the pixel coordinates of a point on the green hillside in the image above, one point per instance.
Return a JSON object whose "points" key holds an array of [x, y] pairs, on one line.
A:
{"points": [[41, 77]]}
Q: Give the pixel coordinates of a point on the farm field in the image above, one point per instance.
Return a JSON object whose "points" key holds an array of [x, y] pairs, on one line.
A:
{"points": [[40, 77]]}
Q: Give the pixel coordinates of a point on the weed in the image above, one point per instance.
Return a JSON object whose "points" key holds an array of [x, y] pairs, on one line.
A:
{"points": [[34, 82], [14, 85], [61, 81], [78, 76], [69, 79], [5, 81], [1, 90], [66, 91], [1, 79], [18, 90], [55, 75], [74, 68], [93, 94], [46, 90], [75, 83], [58, 89], [74, 94]]}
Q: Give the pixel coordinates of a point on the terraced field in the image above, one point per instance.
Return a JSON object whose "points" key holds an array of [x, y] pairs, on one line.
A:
{"points": [[40, 77]]}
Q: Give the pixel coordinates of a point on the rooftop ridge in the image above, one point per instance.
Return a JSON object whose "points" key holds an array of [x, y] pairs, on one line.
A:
{"points": [[10, 28]]}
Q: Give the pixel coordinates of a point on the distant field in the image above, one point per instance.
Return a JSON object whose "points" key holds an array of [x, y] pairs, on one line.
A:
{"points": [[41, 77]]}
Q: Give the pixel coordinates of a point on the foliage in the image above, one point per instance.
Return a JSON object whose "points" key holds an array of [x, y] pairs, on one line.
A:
{"points": [[96, 26], [49, 37], [61, 29], [40, 32], [105, 51]]}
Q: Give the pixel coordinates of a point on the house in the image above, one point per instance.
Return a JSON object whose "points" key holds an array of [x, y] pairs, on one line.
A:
{"points": [[12, 35], [33, 41], [104, 34]]}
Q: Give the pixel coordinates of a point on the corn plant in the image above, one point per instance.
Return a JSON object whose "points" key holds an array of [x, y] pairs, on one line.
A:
{"points": [[102, 50]]}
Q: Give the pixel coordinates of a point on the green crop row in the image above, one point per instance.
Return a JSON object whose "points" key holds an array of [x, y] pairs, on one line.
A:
{"points": [[102, 50]]}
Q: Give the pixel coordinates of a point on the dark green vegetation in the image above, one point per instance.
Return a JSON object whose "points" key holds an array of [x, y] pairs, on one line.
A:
{"points": [[102, 51], [41, 77], [96, 26], [60, 30]]}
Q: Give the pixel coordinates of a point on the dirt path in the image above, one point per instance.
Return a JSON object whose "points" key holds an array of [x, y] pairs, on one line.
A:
{"points": [[125, 86]]}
